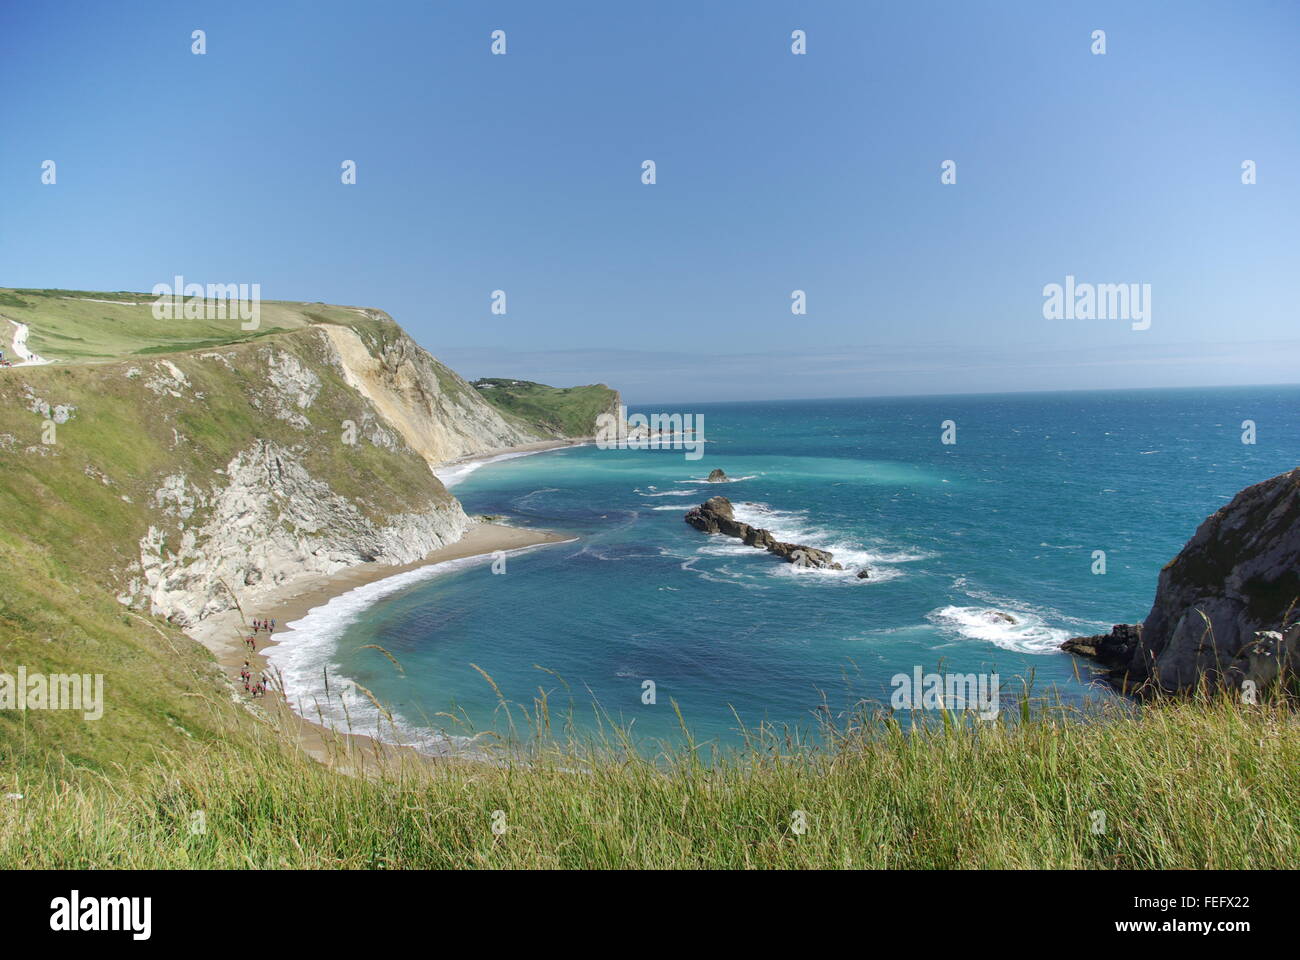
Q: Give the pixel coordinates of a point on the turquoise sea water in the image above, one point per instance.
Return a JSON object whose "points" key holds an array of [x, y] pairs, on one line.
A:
{"points": [[1006, 519]]}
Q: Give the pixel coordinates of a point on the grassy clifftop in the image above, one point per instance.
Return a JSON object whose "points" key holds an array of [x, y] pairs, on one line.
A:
{"points": [[81, 325], [95, 456], [558, 411], [119, 452]]}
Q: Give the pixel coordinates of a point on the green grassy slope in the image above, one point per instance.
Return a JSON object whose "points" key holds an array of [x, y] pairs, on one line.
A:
{"points": [[72, 513], [1207, 783], [94, 326], [85, 325], [558, 411], [128, 430]]}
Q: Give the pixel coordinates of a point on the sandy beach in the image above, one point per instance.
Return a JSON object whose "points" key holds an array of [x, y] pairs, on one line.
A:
{"points": [[539, 446], [452, 472], [224, 635]]}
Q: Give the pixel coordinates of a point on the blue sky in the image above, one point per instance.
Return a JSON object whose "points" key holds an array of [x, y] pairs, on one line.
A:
{"points": [[775, 172]]}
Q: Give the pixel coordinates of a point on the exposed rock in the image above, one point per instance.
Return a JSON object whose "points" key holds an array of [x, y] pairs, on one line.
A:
{"points": [[271, 479], [435, 412], [1224, 607], [272, 516], [169, 379], [272, 521], [1113, 650], [292, 388], [1262, 661], [716, 515], [717, 475]]}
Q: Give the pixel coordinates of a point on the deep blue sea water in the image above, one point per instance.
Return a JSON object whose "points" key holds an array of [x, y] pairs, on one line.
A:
{"points": [[1006, 519]]}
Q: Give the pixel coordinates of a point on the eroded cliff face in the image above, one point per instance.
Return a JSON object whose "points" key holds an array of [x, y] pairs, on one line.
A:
{"points": [[438, 414], [275, 510], [184, 481], [1226, 607], [267, 520]]}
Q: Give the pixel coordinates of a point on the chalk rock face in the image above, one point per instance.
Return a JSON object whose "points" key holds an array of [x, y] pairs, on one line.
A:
{"points": [[1223, 608], [271, 521], [437, 413], [248, 463], [283, 505], [716, 515]]}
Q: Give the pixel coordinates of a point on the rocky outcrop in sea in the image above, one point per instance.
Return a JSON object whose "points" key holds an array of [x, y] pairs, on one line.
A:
{"points": [[716, 515], [1226, 608]]}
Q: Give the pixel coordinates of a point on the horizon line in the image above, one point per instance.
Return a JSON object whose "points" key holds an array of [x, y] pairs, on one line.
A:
{"points": [[983, 393]]}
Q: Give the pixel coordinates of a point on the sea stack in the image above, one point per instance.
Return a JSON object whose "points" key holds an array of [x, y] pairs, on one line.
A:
{"points": [[716, 475], [716, 515]]}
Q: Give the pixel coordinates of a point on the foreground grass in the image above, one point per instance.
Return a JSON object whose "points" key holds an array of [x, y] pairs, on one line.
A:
{"points": [[1191, 785]]}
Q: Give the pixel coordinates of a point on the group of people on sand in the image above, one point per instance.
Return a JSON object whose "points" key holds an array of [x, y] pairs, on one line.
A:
{"points": [[257, 689], [250, 641]]}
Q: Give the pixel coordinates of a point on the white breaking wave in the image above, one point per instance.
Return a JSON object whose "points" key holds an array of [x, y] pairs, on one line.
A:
{"points": [[722, 546], [309, 646], [752, 476], [668, 493], [793, 526], [1028, 634], [747, 583], [452, 474]]}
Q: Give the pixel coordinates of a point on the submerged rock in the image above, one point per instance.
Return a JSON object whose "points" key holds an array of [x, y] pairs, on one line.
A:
{"points": [[1225, 608], [716, 515]]}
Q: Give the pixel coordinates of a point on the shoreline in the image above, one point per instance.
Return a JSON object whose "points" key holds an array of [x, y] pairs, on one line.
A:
{"points": [[223, 635], [452, 472]]}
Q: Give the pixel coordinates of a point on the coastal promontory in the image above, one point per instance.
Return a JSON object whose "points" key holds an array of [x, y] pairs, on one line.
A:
{"points": [[1225, 609]]}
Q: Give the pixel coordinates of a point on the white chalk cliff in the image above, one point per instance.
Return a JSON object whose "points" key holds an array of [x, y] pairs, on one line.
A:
{"points": [[324, 477]]}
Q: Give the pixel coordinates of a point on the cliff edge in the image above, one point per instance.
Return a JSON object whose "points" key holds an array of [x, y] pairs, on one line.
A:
{"points": [[1225, 609], [182, 479]]}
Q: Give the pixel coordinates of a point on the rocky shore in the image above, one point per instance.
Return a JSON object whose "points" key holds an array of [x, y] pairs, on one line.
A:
{"points": [[1225, 610]]}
